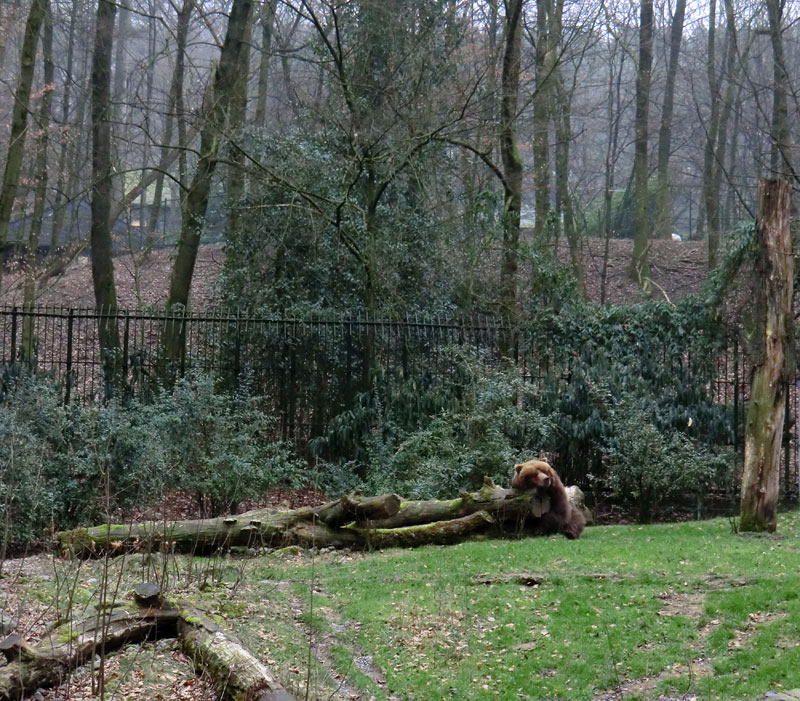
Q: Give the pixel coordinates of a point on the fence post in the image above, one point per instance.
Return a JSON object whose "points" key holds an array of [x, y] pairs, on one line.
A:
{"points": [[787, 437], [68, 375], [125, 347], [735, 394], [13, 335], [237, 360], [183, 339]]}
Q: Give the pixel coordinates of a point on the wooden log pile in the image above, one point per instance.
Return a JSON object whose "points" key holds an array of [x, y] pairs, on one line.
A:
{"points": [[353, 521]]}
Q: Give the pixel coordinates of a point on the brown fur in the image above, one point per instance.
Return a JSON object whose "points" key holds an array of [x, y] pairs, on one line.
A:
{"points": [[563, 517]]}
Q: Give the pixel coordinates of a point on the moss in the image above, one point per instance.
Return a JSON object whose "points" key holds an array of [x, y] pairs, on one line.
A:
{"points": [[77, 541], [66, 635]]}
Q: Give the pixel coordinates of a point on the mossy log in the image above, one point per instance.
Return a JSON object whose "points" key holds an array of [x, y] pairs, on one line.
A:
{"points": [[75, 642], [353, 521], [237, 674]]}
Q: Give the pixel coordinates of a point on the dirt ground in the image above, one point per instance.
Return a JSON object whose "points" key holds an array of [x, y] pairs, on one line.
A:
{"points": [[678, 268]]}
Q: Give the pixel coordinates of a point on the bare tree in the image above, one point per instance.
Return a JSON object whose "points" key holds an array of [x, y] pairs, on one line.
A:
{"points": [[268, 10], [771, 355], [781, 135], [105, 292], [664, 189], [195, 200], [174, 99], [40, 191], [19, 120], [509, 153], [640, 269]]}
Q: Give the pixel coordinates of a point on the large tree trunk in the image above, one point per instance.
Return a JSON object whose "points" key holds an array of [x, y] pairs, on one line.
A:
{"points": [[238, 675], [640, 270], [237, 116], [664, 190], [40, 191], [195, 200], [512, 163], [19, 119], [175, 91], [771, 357], [268, 10], [105, 293], [354, 521], [781, 134]]}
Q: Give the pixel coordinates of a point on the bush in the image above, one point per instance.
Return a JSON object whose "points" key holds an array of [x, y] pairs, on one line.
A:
{"points": [[61, 467], [44, 481], [489, 422], [220, 446], [648, 467]]}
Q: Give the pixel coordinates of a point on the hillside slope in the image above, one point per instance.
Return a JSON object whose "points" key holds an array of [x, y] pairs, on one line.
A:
{"points": [[678, 267]]}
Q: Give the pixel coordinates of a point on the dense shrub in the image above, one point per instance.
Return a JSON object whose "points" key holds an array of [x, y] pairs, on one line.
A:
{"points": [[64, 466], [648, 467], [488, 422], [220, 446]]}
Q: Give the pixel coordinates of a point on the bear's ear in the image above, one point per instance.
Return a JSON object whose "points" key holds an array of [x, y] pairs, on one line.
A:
{"points": [[517, 468]]}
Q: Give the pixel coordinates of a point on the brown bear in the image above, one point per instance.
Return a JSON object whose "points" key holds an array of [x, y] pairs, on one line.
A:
{"points": [[562, 517]]}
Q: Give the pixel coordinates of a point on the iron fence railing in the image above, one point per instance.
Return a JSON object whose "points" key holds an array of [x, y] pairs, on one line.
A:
{"points": [[309, 370]]}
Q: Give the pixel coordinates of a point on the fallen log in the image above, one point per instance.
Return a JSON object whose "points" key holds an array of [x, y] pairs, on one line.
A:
{"points": [[237, 674], [75, 642], [354, 521]]}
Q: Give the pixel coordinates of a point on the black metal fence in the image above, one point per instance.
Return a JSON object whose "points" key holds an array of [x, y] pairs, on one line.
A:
{"points": [[309, 370]]}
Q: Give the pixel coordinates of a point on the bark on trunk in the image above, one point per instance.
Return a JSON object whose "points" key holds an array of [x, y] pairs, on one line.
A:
{"points": [[19, 118], [238, 675], [353, 521], [268, 10], [175, 91], [771, 358], [74, 643], [664, 192], [61, 170], [196, 198], [640, 269], [40, 191], [781, 134], [236, 120], [541, 123], [512, 163], [105, 294]]}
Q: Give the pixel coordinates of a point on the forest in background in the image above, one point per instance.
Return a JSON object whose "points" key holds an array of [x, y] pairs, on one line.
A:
{"points": [[382, 160], [385, 157]]}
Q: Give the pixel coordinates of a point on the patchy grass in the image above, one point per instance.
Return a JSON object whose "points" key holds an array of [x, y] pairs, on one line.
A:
{"points": [[635, 611]]}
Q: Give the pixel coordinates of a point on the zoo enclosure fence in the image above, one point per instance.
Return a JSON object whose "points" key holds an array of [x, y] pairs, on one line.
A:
{"points": [[310, 369]]}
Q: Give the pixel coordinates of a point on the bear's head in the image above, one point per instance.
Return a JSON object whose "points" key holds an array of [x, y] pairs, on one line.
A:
{"points": [[534, 474]]}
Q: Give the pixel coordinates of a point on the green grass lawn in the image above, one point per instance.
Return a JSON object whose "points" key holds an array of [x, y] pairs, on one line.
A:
{"points": [[661, 610], [649, 611]]}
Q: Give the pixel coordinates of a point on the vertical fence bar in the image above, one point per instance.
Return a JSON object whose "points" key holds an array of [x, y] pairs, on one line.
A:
{"points": [[13, 334], [735, 394], [787, 437], [68, 374], [125, 347]]}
